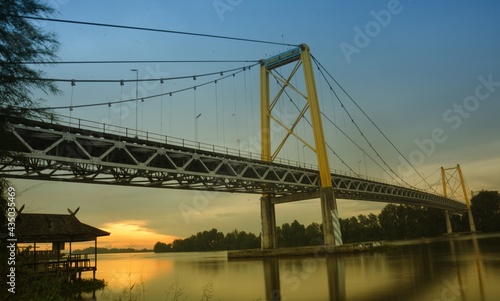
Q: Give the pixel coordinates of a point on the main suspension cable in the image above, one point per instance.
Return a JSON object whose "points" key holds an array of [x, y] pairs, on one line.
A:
{"points": [[151, 30], [108, 103]]}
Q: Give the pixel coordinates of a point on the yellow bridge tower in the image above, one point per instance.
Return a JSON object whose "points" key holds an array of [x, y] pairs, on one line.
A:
{"points": [[302, 57], [449, 176]]}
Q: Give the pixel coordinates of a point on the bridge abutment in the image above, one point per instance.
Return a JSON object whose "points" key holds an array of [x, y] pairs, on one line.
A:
{"points": [[331, 226], [268, 219]]}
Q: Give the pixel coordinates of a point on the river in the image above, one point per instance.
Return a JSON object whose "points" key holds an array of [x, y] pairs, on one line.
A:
{"points": [[463, 267]]}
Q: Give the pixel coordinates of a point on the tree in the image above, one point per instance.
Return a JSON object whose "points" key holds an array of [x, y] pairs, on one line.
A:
{"points": [[298, 234], [351, 230], [3, 204], [370, 227], [160, 247], [248, 240], [485, 208], [22, 41], [231, 241], [390, 221], [314, 234], [433, 222]]}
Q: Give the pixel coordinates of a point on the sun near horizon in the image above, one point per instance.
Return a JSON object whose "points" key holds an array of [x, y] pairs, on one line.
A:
{"points": [[131, 234]]}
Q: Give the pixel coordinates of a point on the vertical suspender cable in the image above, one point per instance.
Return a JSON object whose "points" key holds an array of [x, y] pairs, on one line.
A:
{"points": [[170, 113], [142, 114], [251, 103], [161, 107], [109, 113], [195, 112], [223, 113], [120, 115], [246, 101], [71, 101], [216, 112], [235, 114]]}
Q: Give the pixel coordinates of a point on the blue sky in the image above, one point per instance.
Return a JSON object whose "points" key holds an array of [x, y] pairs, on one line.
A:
{"points": [[417, 62]]}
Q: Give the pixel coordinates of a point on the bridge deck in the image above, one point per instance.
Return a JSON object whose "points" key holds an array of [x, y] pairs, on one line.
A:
{"points": [[49, 151]]}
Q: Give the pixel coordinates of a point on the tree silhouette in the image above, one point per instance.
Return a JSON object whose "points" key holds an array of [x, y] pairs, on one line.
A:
{"points": [[22, 41], [485, 208], [393, 222]]}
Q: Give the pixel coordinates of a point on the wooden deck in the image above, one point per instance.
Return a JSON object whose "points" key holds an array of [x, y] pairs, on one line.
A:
{"points": [[50, 262]]}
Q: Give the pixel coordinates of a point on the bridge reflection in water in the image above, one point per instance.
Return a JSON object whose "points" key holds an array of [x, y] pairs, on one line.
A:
{"points": [[301, 270], [442, 270]]}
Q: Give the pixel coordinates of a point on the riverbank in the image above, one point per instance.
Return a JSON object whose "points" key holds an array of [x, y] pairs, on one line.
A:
{"points": [[351, 248], [306, 251]]}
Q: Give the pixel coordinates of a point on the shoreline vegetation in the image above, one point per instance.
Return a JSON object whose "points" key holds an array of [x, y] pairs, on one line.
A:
{"points": [[91, 250], [395, 222]]}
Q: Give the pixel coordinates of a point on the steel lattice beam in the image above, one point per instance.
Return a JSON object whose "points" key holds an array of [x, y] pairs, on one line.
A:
{"points": [[45, 151]]}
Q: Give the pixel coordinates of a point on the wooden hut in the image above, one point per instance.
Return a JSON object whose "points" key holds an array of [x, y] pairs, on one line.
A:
{"points": [[58, 230]]}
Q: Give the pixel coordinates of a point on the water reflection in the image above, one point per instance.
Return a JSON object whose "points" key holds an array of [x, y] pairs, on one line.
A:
{"points": [[336, 278], [453, 268], [272, 279], [431, 271], [334, 270]]}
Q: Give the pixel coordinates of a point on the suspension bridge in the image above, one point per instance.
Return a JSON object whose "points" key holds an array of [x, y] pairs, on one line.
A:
{"points": [[78, 150]]}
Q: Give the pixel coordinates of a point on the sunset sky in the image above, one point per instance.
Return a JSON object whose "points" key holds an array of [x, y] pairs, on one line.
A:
{"points": [[426, 72]]}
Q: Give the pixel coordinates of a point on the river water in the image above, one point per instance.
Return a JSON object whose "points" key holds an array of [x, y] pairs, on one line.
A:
{"points": [[448, 268]]}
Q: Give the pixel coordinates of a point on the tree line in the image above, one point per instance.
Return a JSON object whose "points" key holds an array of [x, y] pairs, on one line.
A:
{"points": [[91, 250], [212, 240], [393, 222]]}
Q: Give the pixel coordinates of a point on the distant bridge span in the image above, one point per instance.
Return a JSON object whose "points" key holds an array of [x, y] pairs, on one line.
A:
{"points": [[89, 152]]}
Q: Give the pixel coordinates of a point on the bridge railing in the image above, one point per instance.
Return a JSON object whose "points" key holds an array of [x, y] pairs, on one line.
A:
{"points": [[84, 124], [124, 133]]}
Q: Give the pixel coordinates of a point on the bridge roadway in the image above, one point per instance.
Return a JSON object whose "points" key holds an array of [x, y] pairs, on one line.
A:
{"points": [[82, 151]]}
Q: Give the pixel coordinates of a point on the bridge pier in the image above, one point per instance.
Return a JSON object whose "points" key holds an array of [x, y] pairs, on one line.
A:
{"points": [[449, 229], [268, 219], [331, 226], [472, 225]]}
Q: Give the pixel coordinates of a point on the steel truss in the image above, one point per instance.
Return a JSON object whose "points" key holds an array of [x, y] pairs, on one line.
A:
{"points": [[52, 152]]}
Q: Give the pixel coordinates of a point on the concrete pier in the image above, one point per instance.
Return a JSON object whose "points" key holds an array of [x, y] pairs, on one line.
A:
{"points": [[268, 220], [449, 229], [331, 227]]}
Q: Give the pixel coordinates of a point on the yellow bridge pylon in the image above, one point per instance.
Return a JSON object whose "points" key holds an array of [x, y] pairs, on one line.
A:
{"points": [[453, 179], [302, 56]]}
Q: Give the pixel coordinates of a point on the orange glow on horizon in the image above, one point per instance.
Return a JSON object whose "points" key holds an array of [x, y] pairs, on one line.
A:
{"points": [[131, 234]]}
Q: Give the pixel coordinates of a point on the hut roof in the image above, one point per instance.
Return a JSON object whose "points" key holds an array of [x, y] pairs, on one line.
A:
{"points": [[40, 227]]}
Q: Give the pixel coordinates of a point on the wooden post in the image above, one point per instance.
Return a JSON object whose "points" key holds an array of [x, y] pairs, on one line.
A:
{"points": [[34, 256], [95, 257]]}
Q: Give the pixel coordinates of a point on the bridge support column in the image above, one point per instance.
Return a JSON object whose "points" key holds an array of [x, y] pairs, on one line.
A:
{"points": [[268, 218], [449, 229], [331, 226], [472, 225]]}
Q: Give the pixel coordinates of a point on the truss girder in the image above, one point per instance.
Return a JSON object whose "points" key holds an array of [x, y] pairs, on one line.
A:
{"points": [[360, 189], [49, 152], [74, 156]]}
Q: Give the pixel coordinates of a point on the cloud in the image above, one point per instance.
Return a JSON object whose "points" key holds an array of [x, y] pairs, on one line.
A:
{"points": [[133, 234]]}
